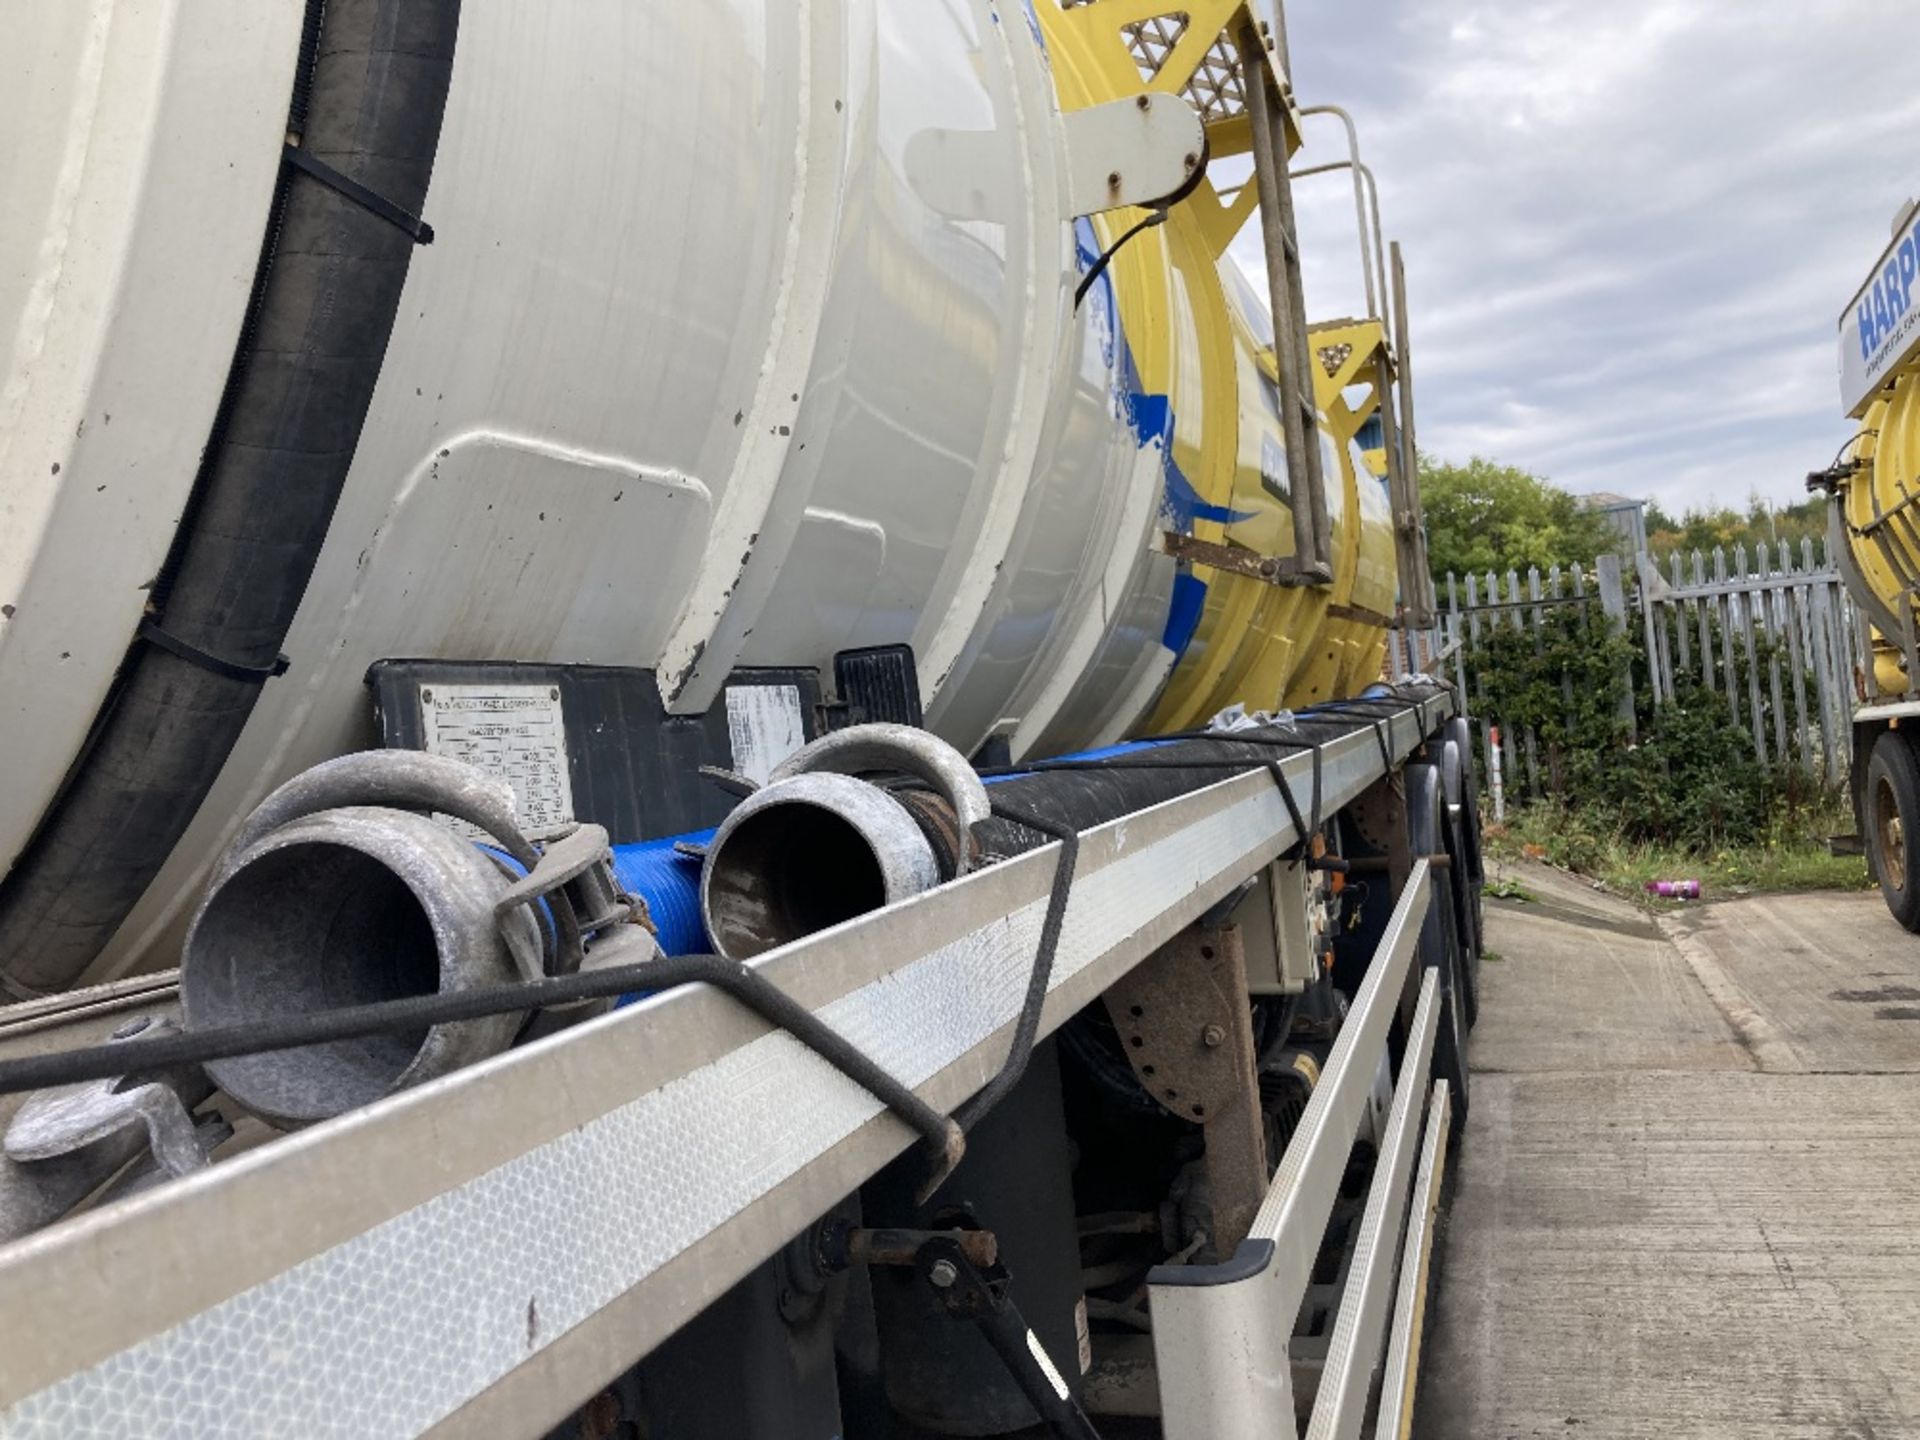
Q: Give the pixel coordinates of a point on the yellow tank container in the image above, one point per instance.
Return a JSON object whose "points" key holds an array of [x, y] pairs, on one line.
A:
{"points": [[1882, 511], [1199, 337]]}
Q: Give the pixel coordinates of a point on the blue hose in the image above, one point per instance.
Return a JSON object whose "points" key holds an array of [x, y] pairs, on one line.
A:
{"points": [[1105, 752], [670, 884]]}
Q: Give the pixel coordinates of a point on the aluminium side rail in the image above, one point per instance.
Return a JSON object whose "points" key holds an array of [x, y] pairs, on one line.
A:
{"points": [[1410, 1307], [481, 1254], [1222, 1332]]}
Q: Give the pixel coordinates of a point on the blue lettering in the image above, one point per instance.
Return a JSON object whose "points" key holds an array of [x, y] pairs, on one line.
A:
{"points": [[1863, 317], [1896, 297], [1882, 320]]}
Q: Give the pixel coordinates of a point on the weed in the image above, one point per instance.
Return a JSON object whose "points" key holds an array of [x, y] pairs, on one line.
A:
{"points": [[1502, 888], [1790, 853]]}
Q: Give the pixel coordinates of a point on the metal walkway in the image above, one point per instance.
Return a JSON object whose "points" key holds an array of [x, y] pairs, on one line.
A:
{"points": [[1688, 1194]]}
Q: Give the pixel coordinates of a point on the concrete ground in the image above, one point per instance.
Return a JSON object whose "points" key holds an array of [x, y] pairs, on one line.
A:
{"points": [[1687, 1199]]}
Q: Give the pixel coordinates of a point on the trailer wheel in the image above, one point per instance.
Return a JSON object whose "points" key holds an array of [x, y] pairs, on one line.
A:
{"points": [[1459, 743], [1460, 736], [1462, 889], [1893, 825], [1466, 942], [1440, 946]]}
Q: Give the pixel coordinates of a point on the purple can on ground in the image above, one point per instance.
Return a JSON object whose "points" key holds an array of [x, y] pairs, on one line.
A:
{"points": [[1674, 889]]}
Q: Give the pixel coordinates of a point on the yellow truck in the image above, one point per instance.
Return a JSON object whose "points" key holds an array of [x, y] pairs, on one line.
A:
{"points": [[1874, 529]]}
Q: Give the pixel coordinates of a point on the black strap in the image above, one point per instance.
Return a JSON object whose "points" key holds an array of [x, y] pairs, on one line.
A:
{"points": [[1311, 826], [1300, 826], [1026, 1028], [1279, 742], [1382, 721], [1318, 754], [415, 1012], [418, 230], [194, 655]]}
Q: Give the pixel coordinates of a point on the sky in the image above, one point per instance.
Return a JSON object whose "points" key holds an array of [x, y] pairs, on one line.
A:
{"points": [[1630, 225]]}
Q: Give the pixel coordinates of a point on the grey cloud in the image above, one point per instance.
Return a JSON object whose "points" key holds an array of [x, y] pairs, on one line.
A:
{"points": [[1630, 228]]}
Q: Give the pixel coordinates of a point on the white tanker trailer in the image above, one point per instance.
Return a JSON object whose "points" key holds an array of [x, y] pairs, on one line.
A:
{"points": [[514, 508]]}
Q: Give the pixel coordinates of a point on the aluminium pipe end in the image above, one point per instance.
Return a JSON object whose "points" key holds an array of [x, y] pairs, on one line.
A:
{"points": [[805, 853], [347, 907], [883, 746]]}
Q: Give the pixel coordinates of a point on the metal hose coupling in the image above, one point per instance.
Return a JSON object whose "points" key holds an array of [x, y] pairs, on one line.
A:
{"points": [[820, 843], [338, 890]]}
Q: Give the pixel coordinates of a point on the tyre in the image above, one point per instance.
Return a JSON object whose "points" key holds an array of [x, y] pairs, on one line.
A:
{"points": [[1461, 888], [1460, 892], [1460, 735], [1440, 947], [1892, 818]]}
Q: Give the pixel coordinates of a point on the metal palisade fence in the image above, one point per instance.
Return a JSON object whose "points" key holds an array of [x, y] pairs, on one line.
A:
{"points": [[1773, 636]]}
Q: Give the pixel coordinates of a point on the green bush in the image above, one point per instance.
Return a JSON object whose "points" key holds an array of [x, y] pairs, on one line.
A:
{"points": [[1680, 774]]}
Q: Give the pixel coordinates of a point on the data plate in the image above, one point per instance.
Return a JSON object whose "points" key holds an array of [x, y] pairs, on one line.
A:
{"points": [[630, 766], [515, 732], [765, 724]]}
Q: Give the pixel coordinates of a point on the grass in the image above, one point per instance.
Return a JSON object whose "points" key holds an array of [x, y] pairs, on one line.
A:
{"points": [[1795, 858]]}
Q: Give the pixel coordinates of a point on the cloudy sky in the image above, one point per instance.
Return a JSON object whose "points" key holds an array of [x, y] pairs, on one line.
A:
{"points": [[1630, 225]]}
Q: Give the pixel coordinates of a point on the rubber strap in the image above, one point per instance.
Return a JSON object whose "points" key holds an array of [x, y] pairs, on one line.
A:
{"points": [[418, 230], [206, 660], [1300, 826], [1382, 722], [1026, 1028]]}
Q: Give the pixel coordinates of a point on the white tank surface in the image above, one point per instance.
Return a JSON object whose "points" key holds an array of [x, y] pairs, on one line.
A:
{"points": [[746, 334], [142, 143]]}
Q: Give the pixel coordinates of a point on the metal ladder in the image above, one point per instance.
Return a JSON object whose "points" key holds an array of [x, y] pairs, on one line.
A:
{"points": [[1389, 369], [1268, 114]]}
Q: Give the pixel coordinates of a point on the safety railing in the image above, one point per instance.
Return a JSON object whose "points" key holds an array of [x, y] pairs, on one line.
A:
{"points": [[1222, 1333]]}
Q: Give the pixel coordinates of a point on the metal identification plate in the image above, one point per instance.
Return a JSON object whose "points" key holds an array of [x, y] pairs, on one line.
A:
{"points": [[765, 725], [516, 732]]}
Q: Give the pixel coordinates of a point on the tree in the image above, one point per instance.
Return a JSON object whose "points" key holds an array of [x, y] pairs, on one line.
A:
{"points": [[1483, 516], [1759, 525]]}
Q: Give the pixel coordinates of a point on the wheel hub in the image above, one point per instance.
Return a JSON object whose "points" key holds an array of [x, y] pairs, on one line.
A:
{"points": [[1890, 836]]}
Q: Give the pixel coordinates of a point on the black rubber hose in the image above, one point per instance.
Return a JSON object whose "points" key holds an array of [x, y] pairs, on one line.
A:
{"points": [[1080, 801], [369, 97], [1086, 793], [944, 1142]]}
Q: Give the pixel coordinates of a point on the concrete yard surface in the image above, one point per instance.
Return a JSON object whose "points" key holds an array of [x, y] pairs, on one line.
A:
{"points": [[1687, 1197]]}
